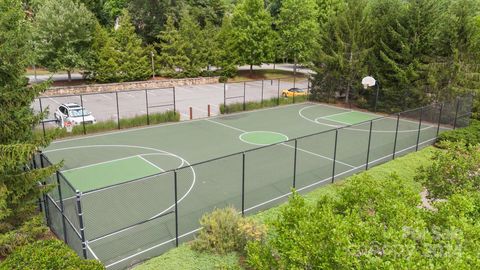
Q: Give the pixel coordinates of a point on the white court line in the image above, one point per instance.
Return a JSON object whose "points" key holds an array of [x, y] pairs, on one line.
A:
{"points": [[261, 204], [99, 163], [299, 149], [162, 170], [335, 114], [331, 120], [91, 251]]}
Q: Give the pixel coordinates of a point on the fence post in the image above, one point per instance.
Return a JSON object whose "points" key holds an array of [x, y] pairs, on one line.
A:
{"points": [[439, 119], [47, 211], [278, 92], [243, 184], [396, 137], [261, 102], [225, 97], [174, 100], [80, 220], [83, 115], [334, 155], [62, 208], [244, 92], [419, 128], [456, 114], [118, 110], [369, 143], [146, 106], [43, 123], [295, 165], [176, 206]]}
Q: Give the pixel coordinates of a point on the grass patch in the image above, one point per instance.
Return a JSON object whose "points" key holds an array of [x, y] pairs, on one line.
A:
{"points": [[264, 74], [137, 121], [185, 258], [255, 105]]}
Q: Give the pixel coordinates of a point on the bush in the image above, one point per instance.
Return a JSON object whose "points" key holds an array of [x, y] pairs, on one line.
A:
{"points": [[48, 254], [255, 105], [137, 121], [470, 135], [224, 231], [28, 232], [369, 224], [455, 170]]}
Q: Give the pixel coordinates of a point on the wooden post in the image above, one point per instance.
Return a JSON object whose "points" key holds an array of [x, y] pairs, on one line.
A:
{"points": [[191, 113]]}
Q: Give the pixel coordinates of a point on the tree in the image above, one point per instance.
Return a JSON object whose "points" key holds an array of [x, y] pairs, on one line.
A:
{"points": [[171, 49], [341, 62], [119, 56], [208, 11], [19, 187], [298, 30], [252, 35], [195, 46], [63, 35], [113, 9], [149, 17]]}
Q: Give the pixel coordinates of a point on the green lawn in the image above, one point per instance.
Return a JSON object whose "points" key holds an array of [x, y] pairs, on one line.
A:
{"points": [[185, 258]]}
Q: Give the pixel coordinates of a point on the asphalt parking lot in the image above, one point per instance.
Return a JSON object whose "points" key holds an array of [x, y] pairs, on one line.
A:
{"points": [[132, 103]]}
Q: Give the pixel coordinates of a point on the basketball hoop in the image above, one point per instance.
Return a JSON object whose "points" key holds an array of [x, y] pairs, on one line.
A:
{"points": [[68, 126], [368, 82]]}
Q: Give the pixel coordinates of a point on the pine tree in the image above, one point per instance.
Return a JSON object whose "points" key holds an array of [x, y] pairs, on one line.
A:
{"points": [[195, 48], [19, 187], [341, 63], [119, 56], [133, 63], [171, 49]]}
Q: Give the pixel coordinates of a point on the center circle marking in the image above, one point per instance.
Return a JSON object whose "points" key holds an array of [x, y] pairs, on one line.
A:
{"points": [[262, 137]]}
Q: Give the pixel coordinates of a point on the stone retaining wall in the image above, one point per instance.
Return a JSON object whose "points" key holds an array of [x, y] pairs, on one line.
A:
{"points": [[112, 87]]}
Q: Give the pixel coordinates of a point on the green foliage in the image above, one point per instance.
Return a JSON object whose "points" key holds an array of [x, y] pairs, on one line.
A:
{"points": [[63, 35], [341, 61], [255, 105], [137, 121], [224, 231], [298, 29], [369, 224], [19, 187], [30, 231], [150, 17], [455, 170], [469, 135], [252, 37], [48, 254], [119, 56]]}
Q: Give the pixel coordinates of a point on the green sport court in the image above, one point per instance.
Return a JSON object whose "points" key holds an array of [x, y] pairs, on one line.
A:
{"points": [[127, 178]]}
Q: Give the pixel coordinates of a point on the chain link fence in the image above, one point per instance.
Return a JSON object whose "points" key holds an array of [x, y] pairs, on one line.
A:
{"points": [[155, 213]]}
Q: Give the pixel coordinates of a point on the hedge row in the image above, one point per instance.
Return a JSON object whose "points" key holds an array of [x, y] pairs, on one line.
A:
{"points": [[254, 105]]}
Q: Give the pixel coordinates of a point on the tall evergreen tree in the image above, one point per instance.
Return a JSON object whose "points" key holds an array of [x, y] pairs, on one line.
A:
{"points": [[63, 35], [19, 187], [195, 48], [171, 49], [341, 62], [252, 35], [119, 55]]}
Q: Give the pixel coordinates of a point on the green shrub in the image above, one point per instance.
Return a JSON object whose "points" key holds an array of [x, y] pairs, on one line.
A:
{"points": [[28, 232], [255, 105], [470, 135], [369, 224], [137, 121], [224, 231], [455, 170], [47, 254]]}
